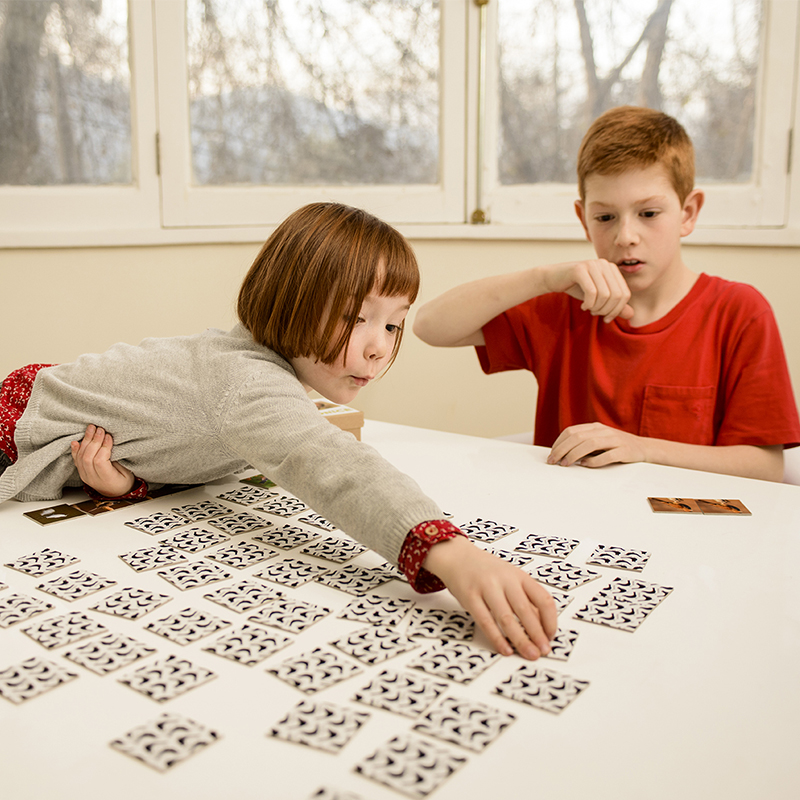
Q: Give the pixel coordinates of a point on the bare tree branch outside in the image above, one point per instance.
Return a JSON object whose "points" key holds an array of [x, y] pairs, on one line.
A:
{"points": [[564, 62]]}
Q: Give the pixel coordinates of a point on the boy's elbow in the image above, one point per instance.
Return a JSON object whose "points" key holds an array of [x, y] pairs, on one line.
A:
{"points": [[422, 327]]}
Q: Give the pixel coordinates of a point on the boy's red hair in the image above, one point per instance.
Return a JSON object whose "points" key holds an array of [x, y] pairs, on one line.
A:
{"points": [[627, 137]]}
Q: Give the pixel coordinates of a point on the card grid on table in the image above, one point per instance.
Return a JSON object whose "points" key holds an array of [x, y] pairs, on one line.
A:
{"points": [[407, 763]]}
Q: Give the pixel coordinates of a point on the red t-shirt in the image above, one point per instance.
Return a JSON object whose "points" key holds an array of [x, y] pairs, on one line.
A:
{"points": [[711, 372]]}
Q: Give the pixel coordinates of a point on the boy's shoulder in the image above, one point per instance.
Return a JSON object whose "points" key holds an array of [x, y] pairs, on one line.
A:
{"points": [[733, 296]]}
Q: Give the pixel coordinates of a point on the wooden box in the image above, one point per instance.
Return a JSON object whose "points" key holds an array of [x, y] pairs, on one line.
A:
{"points": [[344, 417]]}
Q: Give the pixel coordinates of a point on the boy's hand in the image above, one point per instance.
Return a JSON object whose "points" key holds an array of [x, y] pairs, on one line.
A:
{"points": [[595, 445], [507, 603], [92, 457], [598, 284]]}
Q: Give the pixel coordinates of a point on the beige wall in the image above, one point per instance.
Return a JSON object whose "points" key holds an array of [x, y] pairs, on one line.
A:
{"points": [[60, 303]]}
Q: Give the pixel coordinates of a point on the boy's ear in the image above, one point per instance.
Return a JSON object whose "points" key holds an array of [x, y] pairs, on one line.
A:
{"points": [[581, 212], [691, 210]]}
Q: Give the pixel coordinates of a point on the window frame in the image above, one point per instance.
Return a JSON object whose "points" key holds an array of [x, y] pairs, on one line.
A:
{"points": [[32, 216], [186, 205], [161, 207]]}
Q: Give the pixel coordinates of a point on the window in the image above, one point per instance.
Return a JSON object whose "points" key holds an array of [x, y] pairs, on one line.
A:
{"points": [[717, 66], [153, 121]]}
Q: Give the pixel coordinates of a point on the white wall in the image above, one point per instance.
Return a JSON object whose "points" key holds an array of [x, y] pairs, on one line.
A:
{"points": [[58, 303]]}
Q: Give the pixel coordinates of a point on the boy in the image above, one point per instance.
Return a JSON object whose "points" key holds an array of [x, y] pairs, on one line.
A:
{"points": [[637, 357]]}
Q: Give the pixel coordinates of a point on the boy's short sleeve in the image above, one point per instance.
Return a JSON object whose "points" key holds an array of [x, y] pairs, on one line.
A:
{"points": [[760, 407]]}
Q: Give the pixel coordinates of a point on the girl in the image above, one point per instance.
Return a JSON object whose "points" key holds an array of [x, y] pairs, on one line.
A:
{"points": [[322, 308]]}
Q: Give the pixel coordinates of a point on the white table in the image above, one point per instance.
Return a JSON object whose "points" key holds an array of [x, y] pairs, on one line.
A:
{"points": [[702, 701]]}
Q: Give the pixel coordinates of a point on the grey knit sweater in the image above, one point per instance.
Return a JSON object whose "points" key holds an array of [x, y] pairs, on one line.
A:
{"points": [[196, 408]]}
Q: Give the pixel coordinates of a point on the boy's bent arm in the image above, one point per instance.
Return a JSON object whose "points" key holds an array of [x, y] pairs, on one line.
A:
{"points": [[577, 443], [456, 318]]}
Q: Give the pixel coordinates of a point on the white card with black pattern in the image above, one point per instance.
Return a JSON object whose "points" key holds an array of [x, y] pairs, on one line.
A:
{"points": [[290, 572], [242, 554], [467, 723], [336, 550], [541, 688], [67, 628], [542, 545], [32, 677], [619, 557], [486, 530], [109, 653], [160, 522], [352, 579], [402, 693], [75, 585], [411, 765], [290, 615], [377, 610], [154, 557], [323, 726], [193, 540], [562, 575], [243, 596], [437, 623], [248, 644], [282, 506], [457, 661], [130, 603], [246, 495], [41, 562], [166, 741], [167, 678], [286, 537], [317, 521], [193, 574], [187, 625], [16, 608], [562, 644], [200, 512], [243, 522], [374, 644], [316, 670]]}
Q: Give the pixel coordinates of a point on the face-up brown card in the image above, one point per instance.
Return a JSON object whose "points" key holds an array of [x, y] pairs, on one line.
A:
{"points": [[47, 516], [723, 507], [95, 507], [674, 505]]}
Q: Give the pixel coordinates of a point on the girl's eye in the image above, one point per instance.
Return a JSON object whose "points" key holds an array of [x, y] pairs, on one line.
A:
{"points": [[393, 328]]}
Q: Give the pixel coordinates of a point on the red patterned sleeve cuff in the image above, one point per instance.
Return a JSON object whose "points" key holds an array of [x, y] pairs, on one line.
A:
{"points": [[138, 492], [415, 549]]}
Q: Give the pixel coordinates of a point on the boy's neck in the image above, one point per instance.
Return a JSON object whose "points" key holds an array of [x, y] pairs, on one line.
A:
{"points": [[655, 302]]}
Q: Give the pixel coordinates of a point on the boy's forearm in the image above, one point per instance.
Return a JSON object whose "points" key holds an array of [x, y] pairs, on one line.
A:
{"points": [[747, 461], [456, 318]]}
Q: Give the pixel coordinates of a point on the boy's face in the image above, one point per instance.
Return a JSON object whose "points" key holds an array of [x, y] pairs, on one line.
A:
{"points": [[636, 220], [369, 350]]}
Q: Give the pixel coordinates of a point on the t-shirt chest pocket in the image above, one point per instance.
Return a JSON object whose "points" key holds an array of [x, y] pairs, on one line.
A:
{"points": [[678, 413]]}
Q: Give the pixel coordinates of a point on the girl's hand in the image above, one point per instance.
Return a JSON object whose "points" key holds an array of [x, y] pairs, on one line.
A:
{"points": [[92, 457], [508, 604]]}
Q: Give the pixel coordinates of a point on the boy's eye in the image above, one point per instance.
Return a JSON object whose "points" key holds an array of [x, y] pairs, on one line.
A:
{"points": [[604, 217], [649, 214]]}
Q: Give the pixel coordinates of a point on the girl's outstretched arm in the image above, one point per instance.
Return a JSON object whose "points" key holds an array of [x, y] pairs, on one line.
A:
{"points": [[513, 610]]}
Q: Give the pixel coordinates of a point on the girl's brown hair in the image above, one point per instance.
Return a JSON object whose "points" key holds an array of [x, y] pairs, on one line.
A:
{"points": [[634, 136], [302, 294]]}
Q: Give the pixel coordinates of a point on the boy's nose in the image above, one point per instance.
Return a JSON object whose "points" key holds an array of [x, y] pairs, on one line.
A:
{"points": [[626, 232]]}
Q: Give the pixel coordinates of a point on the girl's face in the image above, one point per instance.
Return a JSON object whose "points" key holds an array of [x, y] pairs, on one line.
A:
{"points": [[368, 352]]}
